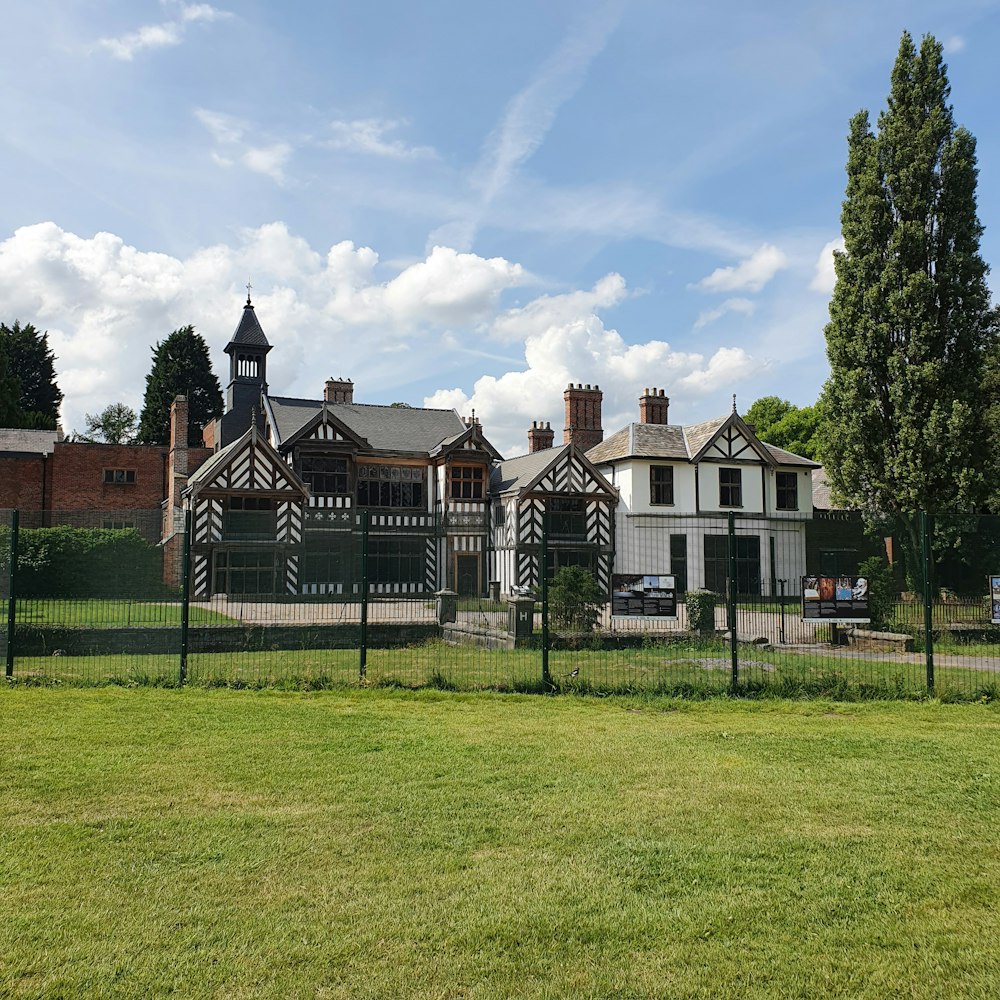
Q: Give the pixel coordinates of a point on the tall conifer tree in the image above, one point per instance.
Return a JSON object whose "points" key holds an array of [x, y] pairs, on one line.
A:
{"points": [[911, 327], [181, 366], [31, 365]]}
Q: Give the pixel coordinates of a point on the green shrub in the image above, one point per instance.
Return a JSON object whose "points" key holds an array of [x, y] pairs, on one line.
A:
{"points": [[701, 611], [881, 591], [87, 562], [575, 599]]}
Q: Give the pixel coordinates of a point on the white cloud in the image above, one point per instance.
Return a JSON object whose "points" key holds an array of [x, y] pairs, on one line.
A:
{"points": [[164, 34], [565, 340], [743, 306], [106, 303], [953, 44], [368, 135], [229, 132], [824, 276], [749, 275]]}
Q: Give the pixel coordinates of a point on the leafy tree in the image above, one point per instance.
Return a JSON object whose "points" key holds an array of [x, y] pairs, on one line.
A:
{"points": [[32, 365], [575, 599], [910, 320], [181, 366], [780, 423], [115, 424]]}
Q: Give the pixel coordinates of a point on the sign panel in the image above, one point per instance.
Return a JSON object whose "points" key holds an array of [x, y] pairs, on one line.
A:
{"points": [[839, 600], [995, 600], [643, 596]]}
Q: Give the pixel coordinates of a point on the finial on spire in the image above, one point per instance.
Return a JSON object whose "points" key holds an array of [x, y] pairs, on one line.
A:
{"points": [[734, 402], [249, 286]]}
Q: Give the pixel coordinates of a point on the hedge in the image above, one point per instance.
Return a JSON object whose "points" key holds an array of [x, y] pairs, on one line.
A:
{"points": [[84, 562]]}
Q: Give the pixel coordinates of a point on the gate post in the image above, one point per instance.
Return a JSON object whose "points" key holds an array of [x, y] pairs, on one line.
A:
{"points": [[185, 594], [363, 652], [543, 561], [15, 522], [928, 566], [731, 609]]}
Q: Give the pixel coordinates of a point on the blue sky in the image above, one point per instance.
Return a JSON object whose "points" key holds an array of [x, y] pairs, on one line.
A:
{"points": [[453, 203]]}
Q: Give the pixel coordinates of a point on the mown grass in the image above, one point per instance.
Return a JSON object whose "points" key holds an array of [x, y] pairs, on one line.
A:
{"points": [[107, 613], [697, 668], [392, 844]]}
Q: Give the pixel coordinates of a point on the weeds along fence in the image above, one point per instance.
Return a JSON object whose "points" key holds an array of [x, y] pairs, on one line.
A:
{"points": [[700, 605]]}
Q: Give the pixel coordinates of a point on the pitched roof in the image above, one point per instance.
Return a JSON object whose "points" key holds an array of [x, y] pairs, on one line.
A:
{"points": [[821, 493], [386, 428], [32, 442], [516, 473], [249, 331], [674, 441]]}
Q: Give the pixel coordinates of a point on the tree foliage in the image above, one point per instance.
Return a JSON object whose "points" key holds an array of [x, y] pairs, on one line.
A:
{"points": [[910, 320], [115, 424], [181, 366], [794, 428], [28, 378]]}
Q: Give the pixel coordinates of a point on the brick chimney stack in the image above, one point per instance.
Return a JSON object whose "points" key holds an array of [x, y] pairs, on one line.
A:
{"points": [[583, 416], [178, 457], [653, 406], [540, 436], [338, 390]]}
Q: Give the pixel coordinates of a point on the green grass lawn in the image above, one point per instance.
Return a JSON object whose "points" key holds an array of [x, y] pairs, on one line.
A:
{"points": [[694, 667], [391, 844], [107, 612]]}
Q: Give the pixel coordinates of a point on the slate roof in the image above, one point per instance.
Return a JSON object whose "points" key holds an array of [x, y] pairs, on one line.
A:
{"points": [[29, 442], [821, 493], [407, 429], [674, 441], [249, 331], [207, 468], [516, 473]]}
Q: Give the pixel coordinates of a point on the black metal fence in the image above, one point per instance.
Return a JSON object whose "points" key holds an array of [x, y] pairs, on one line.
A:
{"points": [[796, 606]]}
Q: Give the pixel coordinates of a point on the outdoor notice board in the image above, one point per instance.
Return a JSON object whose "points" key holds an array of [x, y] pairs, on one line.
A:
{"points": [[643, 596], [995, 600], [839, 600]]}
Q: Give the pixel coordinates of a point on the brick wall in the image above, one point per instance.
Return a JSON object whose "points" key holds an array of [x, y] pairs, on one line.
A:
{"points": [[21, 481]]}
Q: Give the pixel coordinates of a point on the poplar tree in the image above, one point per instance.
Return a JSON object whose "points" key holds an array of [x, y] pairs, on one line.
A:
{"points": [[181, 366], [911, 328]]}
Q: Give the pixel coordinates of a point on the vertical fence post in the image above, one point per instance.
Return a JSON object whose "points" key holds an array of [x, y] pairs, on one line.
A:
{"points": [[363, 652], [15, 522], [731, 609], [926, 562], [185, 594], [543, 569]]}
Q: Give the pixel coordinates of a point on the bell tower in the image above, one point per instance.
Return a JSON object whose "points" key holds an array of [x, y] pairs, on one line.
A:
{"points": [[247, 350]]}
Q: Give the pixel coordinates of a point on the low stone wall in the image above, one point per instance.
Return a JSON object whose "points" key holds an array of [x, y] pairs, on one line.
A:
{"points": [[34, 640], [456, 634]]}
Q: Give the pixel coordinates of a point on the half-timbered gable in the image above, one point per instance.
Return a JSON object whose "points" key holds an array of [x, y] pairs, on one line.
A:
{"points": [[246, 520], [560, 493]]}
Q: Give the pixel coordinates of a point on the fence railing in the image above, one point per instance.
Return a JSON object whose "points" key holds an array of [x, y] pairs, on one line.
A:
{"points": [[695, 605]]}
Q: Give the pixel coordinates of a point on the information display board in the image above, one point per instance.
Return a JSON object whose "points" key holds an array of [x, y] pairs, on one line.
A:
{"points": [[643, 596], [995, 600], [839, 600]]}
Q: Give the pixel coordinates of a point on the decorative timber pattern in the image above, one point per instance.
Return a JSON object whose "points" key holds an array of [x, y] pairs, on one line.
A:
{"points": [[207, 520], [730, 444], [289, 522], [570, 475]]}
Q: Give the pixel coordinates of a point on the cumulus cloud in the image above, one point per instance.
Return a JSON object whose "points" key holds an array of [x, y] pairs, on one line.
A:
{"points": [[824, 276], [340, 311], [163, 34], [749, 275], [743, 306], [229, 134], [566, 340], [369, 136]]}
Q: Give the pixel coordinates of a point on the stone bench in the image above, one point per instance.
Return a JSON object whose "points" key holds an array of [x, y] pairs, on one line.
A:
{"points": [[880, 642]]}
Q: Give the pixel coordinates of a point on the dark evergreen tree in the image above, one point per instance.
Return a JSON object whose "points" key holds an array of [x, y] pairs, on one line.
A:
{"points": [[10, 390], [903, 413], [181, 366], [32, 365]]}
